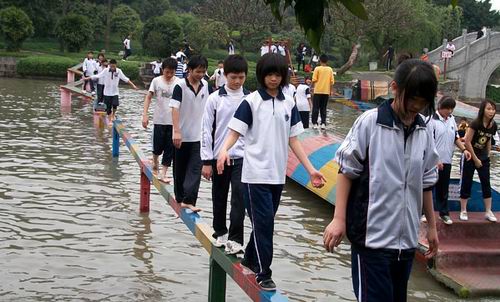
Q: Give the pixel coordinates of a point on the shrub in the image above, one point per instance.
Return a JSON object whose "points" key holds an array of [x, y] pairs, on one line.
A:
{"points": [[125, 20], [74, 32], [16, 27], [130, 69], [50, 66], [161, 35]]}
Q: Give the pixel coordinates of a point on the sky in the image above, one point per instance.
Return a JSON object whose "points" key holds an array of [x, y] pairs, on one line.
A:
{"points": [[495, 4]]}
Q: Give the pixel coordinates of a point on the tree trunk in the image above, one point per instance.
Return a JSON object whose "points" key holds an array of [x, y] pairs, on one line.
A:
{"points": [[108, 25], [351, 61]]}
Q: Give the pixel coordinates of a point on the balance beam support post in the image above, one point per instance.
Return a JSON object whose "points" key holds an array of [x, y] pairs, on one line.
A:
{"points": [[65, 98], [70, 76], [116, 141], [217, 282], [145, 193]]}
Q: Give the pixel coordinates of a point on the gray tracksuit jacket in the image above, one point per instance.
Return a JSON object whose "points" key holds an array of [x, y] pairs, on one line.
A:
{"points": [[390, 167]]}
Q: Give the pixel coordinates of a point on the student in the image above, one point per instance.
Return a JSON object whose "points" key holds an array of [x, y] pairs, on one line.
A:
{"points": [[443, 129], [180, 55], [264, 48], [303, 100], [219, 77], [281, 49], [450, 47], [162, 87], [188, 102], [323, 81], [299, 56], [128, 50], [156, 66], [89, 68], [111, 76], [269, 122], [220, 108], [389, 54], [314, 61], [387, 170], [179, 72], [478, 143], [230, 48], [103, 64]]}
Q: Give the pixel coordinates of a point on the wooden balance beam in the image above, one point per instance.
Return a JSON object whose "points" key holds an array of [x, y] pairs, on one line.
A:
{"points": [[220, 263]]}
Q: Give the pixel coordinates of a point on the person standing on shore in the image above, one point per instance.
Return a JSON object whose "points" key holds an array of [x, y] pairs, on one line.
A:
{"points": [[323, 81], [127, 48]]}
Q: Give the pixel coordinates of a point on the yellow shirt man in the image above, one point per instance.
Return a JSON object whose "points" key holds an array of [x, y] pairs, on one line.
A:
{"points": [[323, 79]]}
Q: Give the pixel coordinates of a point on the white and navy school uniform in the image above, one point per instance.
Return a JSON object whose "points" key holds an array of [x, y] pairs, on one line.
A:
{"points": [[127, 47], [302, 97], [444, 132], [263, 50], [219, 77], [266, 123], [100, 83], [156, 67], [187, 160], [111, 80], [162, 118], [89, 68], [219, 110], [390, 166]]}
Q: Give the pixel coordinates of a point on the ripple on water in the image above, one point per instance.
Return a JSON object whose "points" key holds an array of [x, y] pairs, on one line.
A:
{"points": [[70, 228]]}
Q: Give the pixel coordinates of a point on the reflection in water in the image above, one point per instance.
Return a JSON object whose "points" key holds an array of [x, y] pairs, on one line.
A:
{"points": [[70, 228]]}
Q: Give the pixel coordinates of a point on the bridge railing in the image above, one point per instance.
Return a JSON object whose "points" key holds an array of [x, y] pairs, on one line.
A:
{"points": [[220, 263], [72, 86]]}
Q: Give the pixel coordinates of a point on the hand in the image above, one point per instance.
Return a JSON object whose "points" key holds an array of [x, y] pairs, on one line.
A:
{"points": [[223, 158], [467, 155], [317, 179], [440, 166], [478, 163], [145, 121], [333, 234], [206, 171], [177, 138], [433, 240]]}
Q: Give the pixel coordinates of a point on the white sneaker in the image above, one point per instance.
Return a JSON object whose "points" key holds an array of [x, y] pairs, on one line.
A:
{"points": [[93, 93], [221, 241], [423, 219], [323, 127], [233, 247], [490, 216], [315, 126], [464, 216]]}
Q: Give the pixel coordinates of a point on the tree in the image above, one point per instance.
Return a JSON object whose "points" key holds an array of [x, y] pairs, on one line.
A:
{"points": [[125, 20], [249, 19], [476, 14], [151, 8], [74, 32], [42, 13], [162, 35], [311, 15], [205, 33], [15, 26]]}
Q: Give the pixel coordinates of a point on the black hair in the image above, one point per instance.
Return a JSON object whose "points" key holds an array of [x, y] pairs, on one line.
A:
{"points": [[482, 108], [197, 61], [112, 61], [169, 63], [235, 64], [220, 62], [272, 63], [447, 102], [323, 58], [90, 51], [416, 78], [404, 56], [101, 54]]}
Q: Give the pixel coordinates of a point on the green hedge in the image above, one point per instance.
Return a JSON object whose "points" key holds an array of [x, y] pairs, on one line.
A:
{"points": [[53, 66], [56, 66]]}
